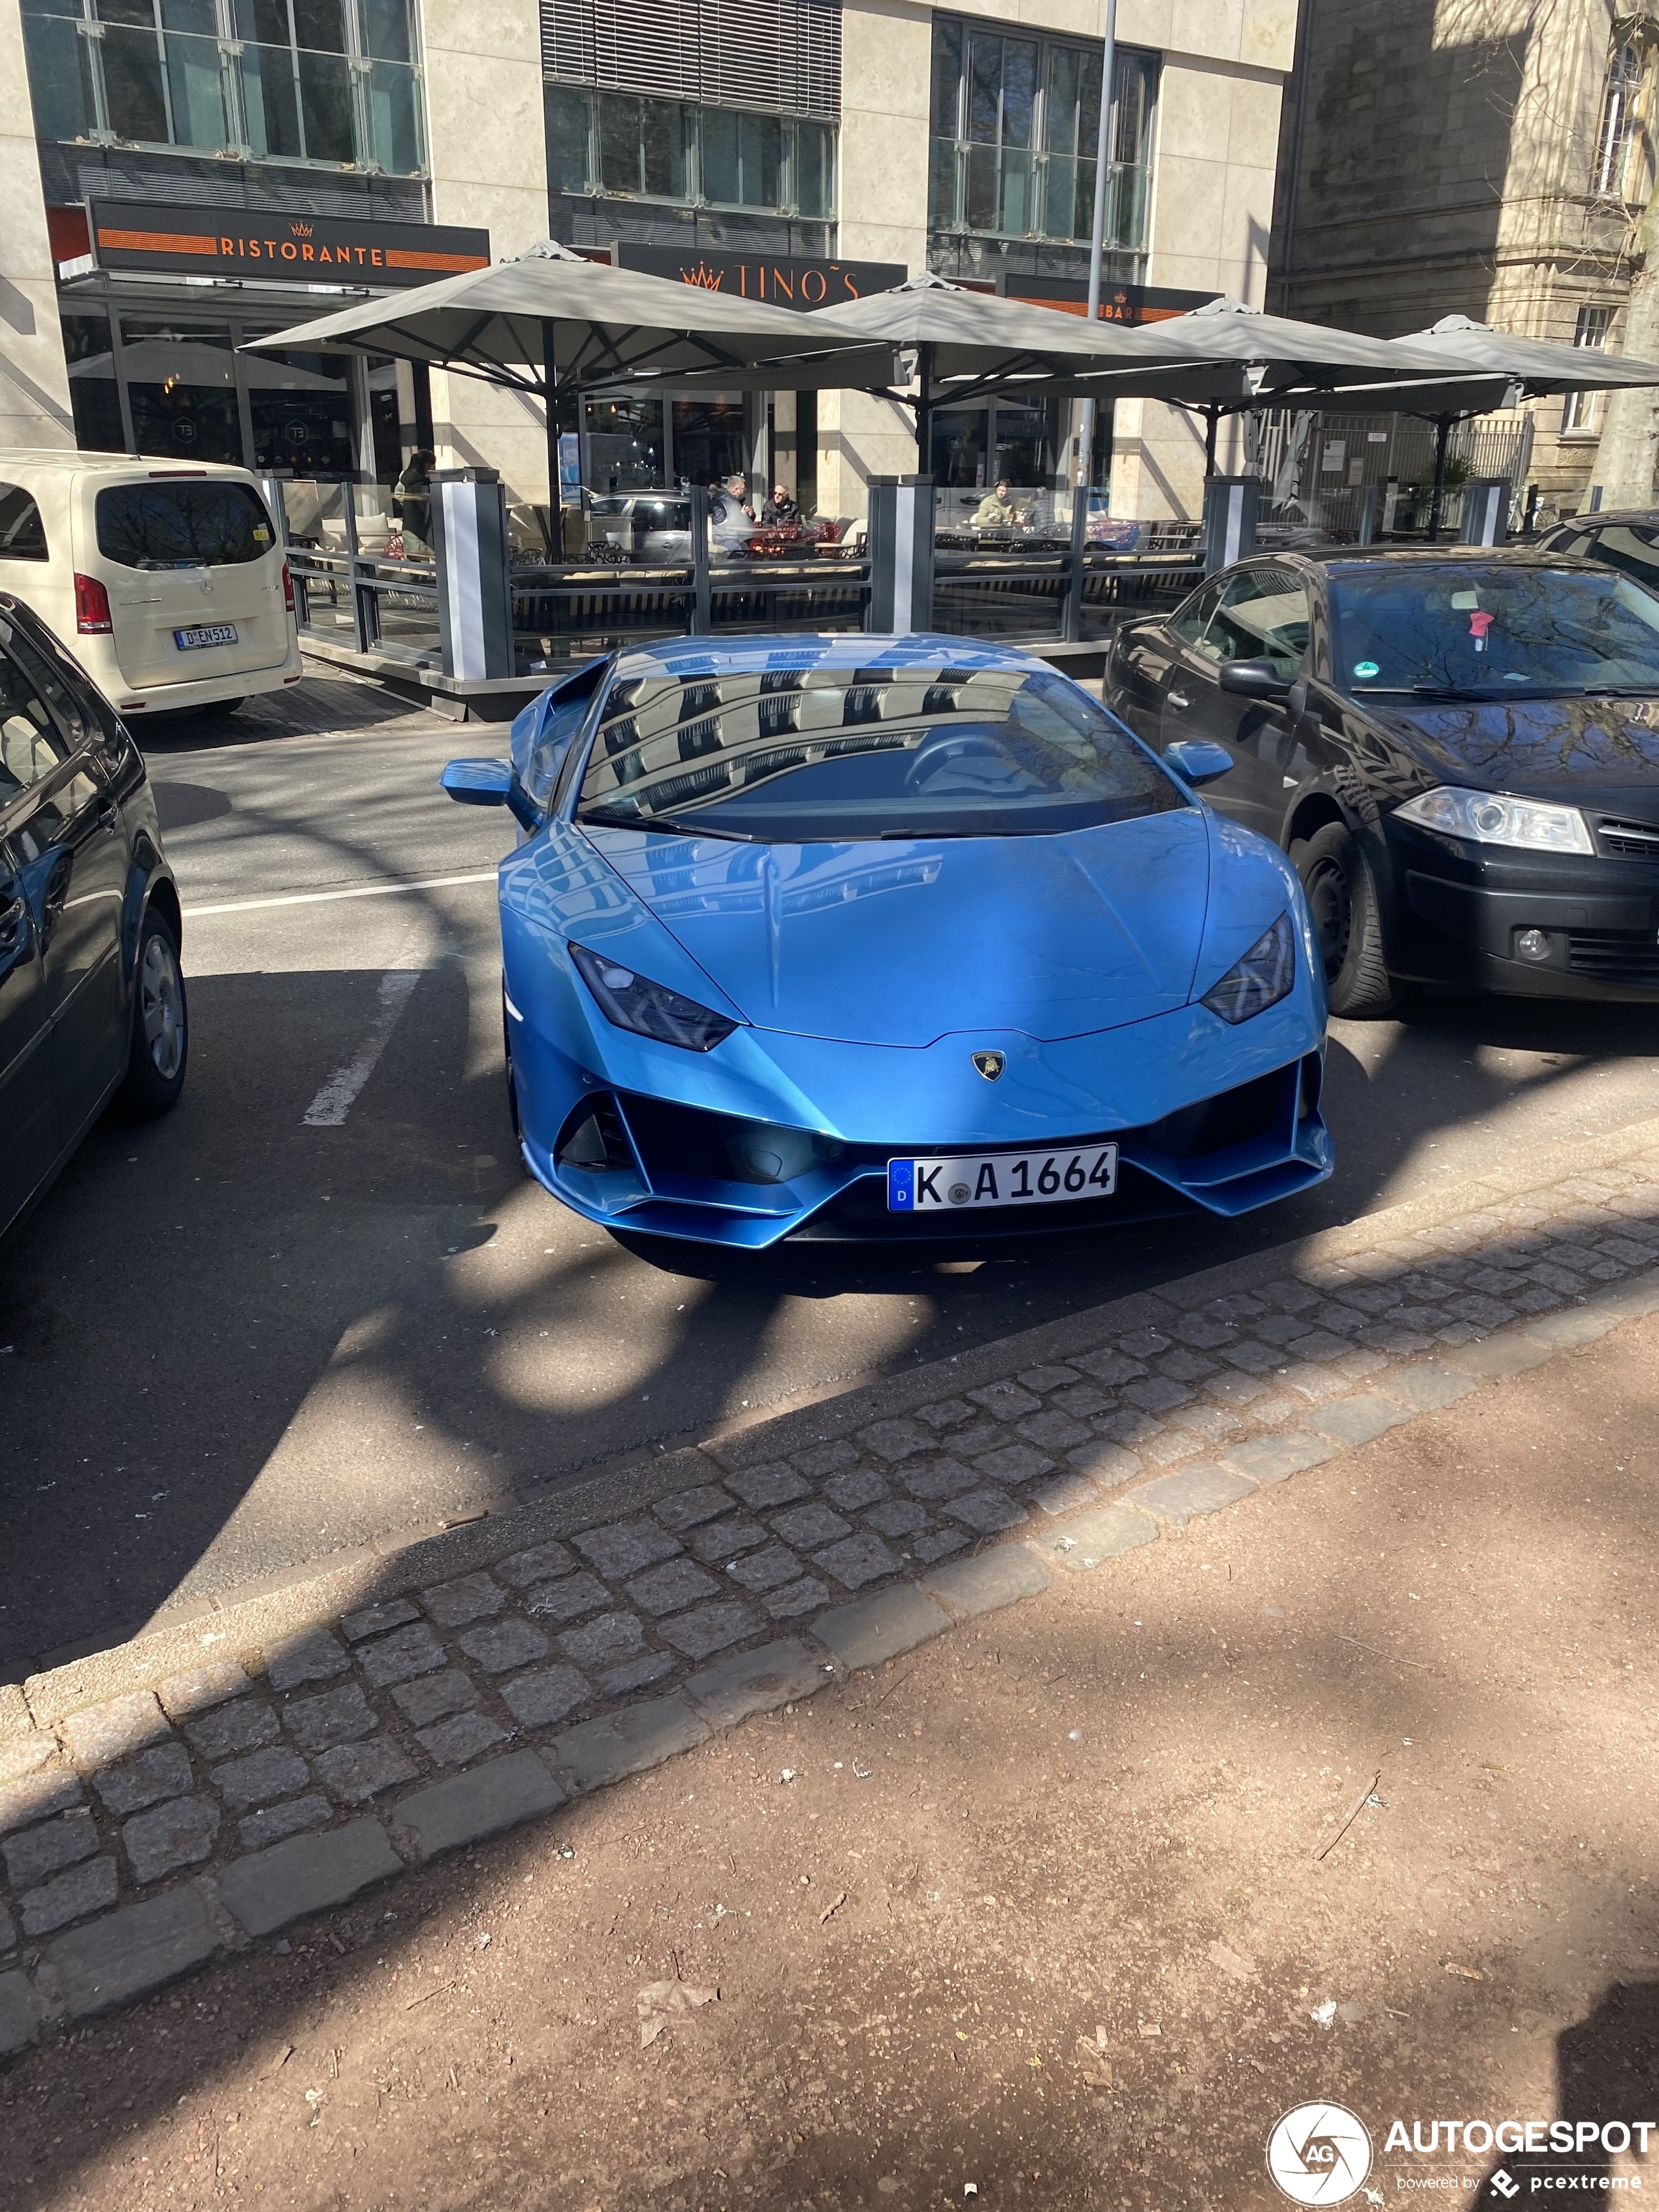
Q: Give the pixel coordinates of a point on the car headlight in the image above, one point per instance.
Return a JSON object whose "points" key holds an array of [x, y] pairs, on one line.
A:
{"points": [[633, 1002], [1261, 978], [1490, 819]]}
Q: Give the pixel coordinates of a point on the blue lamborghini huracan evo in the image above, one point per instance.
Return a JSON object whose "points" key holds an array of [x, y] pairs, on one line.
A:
{"points": [[871, 939]]}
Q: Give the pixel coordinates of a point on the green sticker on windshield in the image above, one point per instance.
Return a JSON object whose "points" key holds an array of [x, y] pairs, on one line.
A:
{"points": [[1367, 668]]}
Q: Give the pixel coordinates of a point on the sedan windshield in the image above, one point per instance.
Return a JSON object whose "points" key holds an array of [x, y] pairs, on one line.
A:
{"points": [[792, 755], [1458, 631]]}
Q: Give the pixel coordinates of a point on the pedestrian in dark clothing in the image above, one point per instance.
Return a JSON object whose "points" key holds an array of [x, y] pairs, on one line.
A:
{"points": [[411, 496]]}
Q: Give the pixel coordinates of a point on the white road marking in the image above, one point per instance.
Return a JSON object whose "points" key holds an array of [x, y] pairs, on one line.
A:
{"points": [[324, 898], [329, 1108]]}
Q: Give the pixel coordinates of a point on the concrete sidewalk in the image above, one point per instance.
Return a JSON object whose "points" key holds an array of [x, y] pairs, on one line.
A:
{"points": [[1345, 1792]]}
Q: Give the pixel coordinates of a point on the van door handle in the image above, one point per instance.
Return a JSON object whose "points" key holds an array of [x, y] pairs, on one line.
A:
{"points": [[109, 816], [1175, 699]]}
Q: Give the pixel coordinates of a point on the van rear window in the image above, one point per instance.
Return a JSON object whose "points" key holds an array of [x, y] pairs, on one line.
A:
{"points": [[182, 525]]}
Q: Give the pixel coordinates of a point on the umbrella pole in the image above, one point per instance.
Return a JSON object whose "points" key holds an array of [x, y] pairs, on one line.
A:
{"points": [[1211, 423], [550, 395], [1442, 439], [924, 409]]}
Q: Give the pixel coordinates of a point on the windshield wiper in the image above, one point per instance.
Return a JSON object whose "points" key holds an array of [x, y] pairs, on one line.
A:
{"points": [[669, 822]]}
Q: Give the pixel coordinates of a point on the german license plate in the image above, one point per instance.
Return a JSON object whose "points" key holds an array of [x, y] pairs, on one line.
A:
{"points": [[948, 1186], [205, 633]]}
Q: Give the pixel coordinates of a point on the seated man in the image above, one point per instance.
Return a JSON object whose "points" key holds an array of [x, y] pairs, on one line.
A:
{"points": [[999, 510], [780, 508]]}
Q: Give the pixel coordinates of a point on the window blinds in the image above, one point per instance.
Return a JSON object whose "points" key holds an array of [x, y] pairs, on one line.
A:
{"points": [[780, 57]]}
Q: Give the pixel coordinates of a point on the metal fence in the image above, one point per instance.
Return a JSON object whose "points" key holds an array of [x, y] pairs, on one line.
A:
{"points": [[1317, 469]]}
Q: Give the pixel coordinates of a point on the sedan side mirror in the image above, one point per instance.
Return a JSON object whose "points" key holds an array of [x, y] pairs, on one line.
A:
{"points": [[1253, 679], [1195, 760], [490, 783]]}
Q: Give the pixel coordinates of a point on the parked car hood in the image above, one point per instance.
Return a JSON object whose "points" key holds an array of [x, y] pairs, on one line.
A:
{"points": [[902, 943], [1582, 752]]}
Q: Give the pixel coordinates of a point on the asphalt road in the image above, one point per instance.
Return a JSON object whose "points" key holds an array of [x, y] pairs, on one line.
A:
{"points": [[241, 1338]]}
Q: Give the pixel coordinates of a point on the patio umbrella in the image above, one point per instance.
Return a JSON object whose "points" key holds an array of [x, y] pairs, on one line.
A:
{"points": [[965, 344], [551, 320], [1480, 369], [1287, 363]]}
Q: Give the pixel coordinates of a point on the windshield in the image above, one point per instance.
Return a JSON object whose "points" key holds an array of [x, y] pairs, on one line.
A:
{"points": [[1458, 631], [795, 755]]}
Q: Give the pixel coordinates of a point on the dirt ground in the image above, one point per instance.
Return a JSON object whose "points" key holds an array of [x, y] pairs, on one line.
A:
{"points": [[1048, 1913]]}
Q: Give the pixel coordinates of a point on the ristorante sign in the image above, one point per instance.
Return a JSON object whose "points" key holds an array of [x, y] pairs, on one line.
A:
{"points": [[300, 248], [782, 280]]}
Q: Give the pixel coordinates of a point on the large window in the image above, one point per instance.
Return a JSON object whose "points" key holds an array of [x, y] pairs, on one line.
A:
{"points": [[334, 82], [1615, 140], [1578, 408], [1016, 130], [620, 146]]}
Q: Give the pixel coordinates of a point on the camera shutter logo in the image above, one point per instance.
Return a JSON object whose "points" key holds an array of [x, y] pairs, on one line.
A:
{"points": [[1319, 2154]]}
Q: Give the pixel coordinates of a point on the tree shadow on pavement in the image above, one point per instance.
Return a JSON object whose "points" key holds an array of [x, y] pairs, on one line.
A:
{"points": [[1045, 1908], [1606, 2078]]}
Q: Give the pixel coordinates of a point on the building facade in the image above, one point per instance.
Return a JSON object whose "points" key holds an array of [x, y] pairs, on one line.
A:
{"points": [[1488, 158], [181, 175]]}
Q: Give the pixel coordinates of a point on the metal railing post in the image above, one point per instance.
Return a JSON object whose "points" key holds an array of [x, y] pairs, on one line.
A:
{"points": [[701, 609], [1070, 625], [475, 582], [358, 635]]}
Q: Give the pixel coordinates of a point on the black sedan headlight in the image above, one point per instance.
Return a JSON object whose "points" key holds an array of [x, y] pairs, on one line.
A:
{"points": [[634, 1002], [1493, 818], [1261, 978]]}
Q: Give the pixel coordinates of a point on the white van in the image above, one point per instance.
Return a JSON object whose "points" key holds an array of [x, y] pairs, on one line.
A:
{"points": [[167, 581]]}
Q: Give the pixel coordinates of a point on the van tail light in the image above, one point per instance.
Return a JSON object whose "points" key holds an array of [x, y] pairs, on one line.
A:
{"points": [[92, 615], [288, 588]]}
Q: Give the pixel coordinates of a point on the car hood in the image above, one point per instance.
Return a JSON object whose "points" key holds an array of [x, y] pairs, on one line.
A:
{"points": [[902, 943], [1582, 752]]}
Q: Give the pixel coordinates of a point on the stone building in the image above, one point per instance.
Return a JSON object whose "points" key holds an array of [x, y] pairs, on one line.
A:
{"points": [[181, 174], [1481, 157]]}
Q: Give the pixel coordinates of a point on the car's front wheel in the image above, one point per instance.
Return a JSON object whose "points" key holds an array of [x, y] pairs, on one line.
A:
{"points": [[161, 1033], [1346, 904]]}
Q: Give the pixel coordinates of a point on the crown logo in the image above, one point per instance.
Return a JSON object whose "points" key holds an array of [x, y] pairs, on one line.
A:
{"points": [[301, 229]]}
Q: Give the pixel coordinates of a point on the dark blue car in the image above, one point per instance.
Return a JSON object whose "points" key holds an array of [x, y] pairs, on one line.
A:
{"points": [[866, 938], [91, 995]]}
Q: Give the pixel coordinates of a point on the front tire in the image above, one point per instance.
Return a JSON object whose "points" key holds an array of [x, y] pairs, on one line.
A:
{"points": [[1346, 903], [161, 1029]]}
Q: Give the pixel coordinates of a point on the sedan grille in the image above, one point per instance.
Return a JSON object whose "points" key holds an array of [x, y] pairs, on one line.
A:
{"points": [[1614, 956], [1630, 841]]}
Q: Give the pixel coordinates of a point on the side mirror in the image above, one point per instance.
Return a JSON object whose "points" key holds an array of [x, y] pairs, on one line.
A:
{"points": [[1253, 679], [1195, 760], [489, 783]]}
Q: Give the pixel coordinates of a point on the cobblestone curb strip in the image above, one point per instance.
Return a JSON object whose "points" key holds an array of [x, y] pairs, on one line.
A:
{"points": [[282, 1770]]}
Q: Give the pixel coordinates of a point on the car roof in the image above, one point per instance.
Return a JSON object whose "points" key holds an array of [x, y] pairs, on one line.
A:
{"points": [[43, 457], [1424, 556], [676, 658], [1600, 520]]}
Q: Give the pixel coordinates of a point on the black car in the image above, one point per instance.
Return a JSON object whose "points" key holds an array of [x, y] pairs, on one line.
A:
{"points": [[92, 998], [1459, 752], [1627, 539]]}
